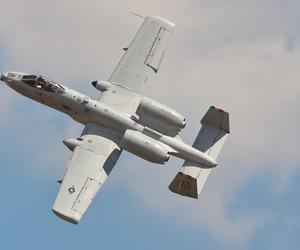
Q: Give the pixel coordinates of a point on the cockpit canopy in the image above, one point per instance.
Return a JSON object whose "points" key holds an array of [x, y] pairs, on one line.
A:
{"points": [[42, 83]]}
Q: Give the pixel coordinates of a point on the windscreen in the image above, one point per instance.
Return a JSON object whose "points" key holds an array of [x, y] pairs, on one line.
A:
{"points": [[42, 83]]}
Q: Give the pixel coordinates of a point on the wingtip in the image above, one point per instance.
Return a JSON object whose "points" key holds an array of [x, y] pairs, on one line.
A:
{"points": [[74, 218], [163, 20]]}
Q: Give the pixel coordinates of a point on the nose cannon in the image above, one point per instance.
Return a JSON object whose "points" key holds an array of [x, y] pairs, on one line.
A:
{"points": [[3, 77]]}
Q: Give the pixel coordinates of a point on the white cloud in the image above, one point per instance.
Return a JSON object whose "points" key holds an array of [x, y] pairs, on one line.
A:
{"points": [[243, 56]]}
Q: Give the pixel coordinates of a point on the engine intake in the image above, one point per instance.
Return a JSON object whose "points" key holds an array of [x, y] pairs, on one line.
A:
{"points": [[144, 147]]}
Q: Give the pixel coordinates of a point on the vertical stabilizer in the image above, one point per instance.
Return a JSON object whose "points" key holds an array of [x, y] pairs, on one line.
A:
{"points": [[210, 140]]}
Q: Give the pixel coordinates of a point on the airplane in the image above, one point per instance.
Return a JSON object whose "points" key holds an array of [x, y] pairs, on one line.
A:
{"points": [[124, 118]]}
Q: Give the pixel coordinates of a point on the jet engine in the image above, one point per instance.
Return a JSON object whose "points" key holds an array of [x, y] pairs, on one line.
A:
{"points": [[144, 147], [160, 117]]}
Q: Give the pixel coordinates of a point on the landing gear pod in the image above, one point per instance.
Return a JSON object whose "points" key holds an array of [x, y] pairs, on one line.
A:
{"points": [[102, 85]]}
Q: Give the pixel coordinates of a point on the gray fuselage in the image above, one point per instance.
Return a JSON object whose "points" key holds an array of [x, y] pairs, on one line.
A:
{"points": [[85, 110]]}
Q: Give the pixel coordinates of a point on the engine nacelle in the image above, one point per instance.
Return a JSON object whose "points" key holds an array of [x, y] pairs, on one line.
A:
{"points": [[144, 147], [102, 85], [160, 116]]}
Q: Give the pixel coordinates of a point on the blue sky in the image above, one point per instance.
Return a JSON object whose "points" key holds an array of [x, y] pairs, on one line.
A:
{"points": [[243, 56]]}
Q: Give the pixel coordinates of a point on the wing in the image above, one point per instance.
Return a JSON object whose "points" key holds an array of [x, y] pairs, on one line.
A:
{"points": [[89, 166], [139, 65]]}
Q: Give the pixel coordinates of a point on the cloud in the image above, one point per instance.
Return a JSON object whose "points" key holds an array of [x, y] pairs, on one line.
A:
{"points": [[242, 56]]}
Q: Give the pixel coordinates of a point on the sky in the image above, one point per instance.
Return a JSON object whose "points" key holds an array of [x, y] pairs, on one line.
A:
{"points": [[241, 55]]}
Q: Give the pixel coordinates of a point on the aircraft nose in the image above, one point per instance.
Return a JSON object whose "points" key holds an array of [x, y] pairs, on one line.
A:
{"points": [[9, 76], [6, 77]]}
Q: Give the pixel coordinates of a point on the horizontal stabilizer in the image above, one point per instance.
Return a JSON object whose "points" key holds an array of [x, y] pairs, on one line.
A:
{"points": [[211, 137]]}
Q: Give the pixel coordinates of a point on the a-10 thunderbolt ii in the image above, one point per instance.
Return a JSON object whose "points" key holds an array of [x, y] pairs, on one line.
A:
{"points": [[123, 118]]}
